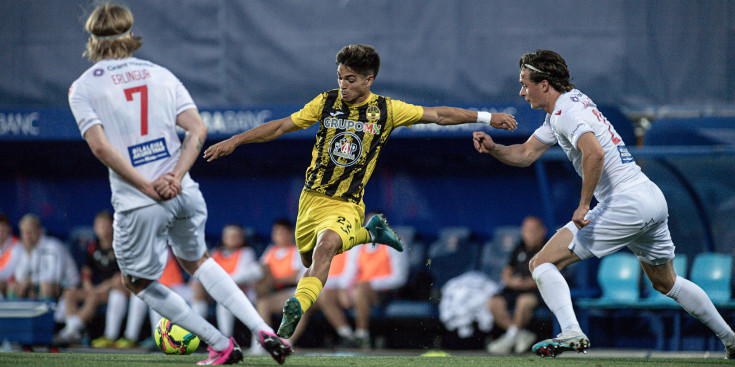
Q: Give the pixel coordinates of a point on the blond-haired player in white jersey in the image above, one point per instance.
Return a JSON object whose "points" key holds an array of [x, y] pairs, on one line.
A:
{"points": [[631, 210], [127, 109]]}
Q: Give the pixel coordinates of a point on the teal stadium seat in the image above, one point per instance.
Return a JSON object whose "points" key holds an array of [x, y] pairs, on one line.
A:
{"points": [[657, 299], [657, 307], [713, 272], [619, 279]]}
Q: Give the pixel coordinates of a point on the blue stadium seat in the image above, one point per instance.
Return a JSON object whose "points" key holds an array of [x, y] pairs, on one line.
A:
{"points": [[657, 307], [713, 272], [78, 240], [452, 254], [407, 309], [657, 299], [619, 279], [494, 253]]}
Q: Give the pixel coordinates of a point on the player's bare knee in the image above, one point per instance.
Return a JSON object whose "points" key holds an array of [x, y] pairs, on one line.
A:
{"points": [[533, 263], [327, 246], [136, 285], [192, 266], [662, 286]]}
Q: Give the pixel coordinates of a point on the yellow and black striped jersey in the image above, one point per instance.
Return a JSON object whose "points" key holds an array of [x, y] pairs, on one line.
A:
{"points": [[349, 140]]}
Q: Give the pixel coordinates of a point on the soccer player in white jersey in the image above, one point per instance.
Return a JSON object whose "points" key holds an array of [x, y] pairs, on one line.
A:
{"points": [[127, 109], [631, 210]]}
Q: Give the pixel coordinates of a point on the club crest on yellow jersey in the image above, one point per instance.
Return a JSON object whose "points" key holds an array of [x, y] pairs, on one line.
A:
{"points": [[345, 149], [373, 113]]}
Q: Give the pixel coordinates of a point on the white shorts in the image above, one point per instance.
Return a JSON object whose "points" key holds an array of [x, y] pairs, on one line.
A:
{"points": [[636, 217], [141, 234]]}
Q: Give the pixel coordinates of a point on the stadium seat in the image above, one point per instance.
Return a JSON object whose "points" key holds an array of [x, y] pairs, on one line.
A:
{"points": [[619, 278], [449, 241], [494, 253], [452, 254], [657, 307], [713, 272], [78, 240], [657, 299]]}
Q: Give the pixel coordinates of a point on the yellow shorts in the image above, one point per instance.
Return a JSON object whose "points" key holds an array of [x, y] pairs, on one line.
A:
{"points": [[319, 212]]}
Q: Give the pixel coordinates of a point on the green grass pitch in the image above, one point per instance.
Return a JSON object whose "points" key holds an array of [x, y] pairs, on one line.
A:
{"points": [[161, 360]]}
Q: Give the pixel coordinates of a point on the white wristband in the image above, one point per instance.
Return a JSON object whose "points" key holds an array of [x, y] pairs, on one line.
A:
{"points": [[484, 117]]}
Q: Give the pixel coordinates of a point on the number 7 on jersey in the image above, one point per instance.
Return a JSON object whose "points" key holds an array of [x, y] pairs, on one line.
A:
{"points": [[143, 90]]}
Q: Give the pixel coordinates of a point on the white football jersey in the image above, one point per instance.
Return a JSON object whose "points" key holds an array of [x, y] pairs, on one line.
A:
{"points": [[136, 102], [48, 262], [575, 114]]}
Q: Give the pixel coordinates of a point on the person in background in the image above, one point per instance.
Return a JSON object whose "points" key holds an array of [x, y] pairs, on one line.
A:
{"points": [[378, 270], [173, 278], [45, 267], [101, 284], [239, 261], [519, 292], [281, 272], [335, 297], [8, 262]]}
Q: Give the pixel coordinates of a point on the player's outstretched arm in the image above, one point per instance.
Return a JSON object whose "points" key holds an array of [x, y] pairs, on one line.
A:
{"points": [[455, 116], [265, 132], [521, 155], [107, 154]]}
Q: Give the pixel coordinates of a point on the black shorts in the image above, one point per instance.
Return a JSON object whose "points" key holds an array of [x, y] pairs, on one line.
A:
{"points": [[511, 295]]}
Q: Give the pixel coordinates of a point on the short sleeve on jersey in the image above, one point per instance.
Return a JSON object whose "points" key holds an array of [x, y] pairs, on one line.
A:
{"points": [[81, 108], [183, 99], [405, 114], [572, 128], [545, 135], [310, 114]]}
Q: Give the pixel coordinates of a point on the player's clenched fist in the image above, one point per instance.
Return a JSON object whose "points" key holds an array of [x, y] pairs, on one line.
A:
{"points": [[483, 142], [167, 186]]}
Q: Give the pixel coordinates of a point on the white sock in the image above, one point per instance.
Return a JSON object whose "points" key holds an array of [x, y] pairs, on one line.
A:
{"points": [[254, 344], [362, 334], [225, 320], [224, 290], [73, 325], [137, 309], [169, 304], [345, 332], [695, 301], [555, 292], [117, 306], [154, 317], [201, 307], [512, 331]]}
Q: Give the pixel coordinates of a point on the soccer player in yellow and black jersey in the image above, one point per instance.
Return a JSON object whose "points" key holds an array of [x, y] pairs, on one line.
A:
{"points": [[354, 124]]}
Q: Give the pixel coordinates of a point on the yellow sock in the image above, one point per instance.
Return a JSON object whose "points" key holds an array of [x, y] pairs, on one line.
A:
{"points": [[307, 291]]}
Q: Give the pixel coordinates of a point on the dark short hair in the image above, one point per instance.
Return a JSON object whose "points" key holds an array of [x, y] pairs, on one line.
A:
{"points": [[360, 58], [4, 219], [283, 222], [549, 66]]}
